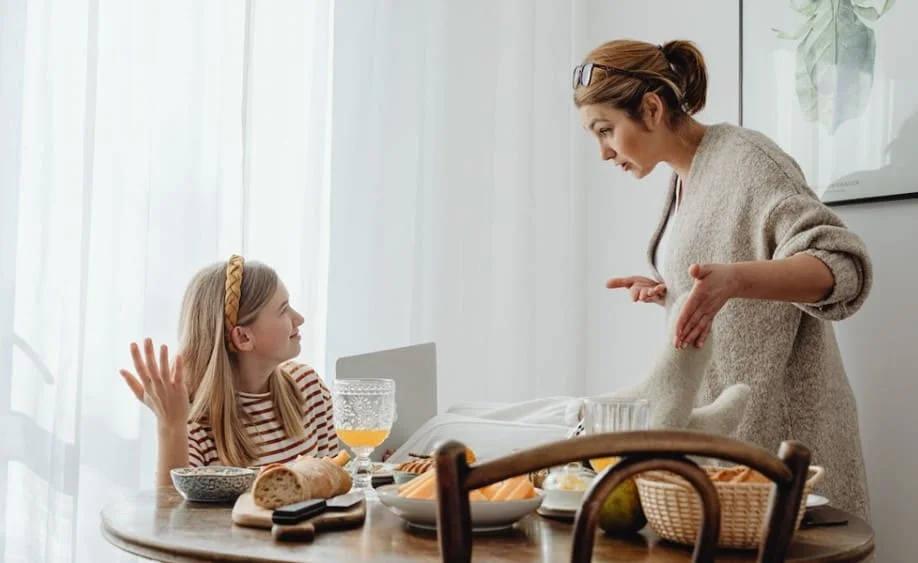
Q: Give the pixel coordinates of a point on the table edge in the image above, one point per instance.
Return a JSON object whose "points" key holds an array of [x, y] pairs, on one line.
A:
{"points": [[854, 555], [167, 553], [161, 551], [141, 550]]}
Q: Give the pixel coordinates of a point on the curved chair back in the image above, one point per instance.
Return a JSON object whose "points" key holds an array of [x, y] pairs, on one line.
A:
{"points": [[641, 451]]}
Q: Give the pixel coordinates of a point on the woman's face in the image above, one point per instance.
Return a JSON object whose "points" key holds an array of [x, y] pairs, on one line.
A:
{"points": [[632, 147]]}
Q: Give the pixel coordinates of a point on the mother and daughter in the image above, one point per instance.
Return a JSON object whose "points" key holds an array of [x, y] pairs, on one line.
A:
{"points": [[763, 265]]}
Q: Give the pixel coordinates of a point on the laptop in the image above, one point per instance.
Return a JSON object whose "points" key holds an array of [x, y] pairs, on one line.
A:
{"points": [[414, 370]]}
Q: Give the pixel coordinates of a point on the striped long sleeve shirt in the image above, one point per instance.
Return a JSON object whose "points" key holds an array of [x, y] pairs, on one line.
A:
{"points": [[263, 425]]}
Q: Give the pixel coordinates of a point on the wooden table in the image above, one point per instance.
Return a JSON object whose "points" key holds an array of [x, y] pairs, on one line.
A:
{"points": [[160, 525]]}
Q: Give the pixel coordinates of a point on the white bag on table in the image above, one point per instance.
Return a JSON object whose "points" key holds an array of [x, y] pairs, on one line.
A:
{"points": [[495, 429]]}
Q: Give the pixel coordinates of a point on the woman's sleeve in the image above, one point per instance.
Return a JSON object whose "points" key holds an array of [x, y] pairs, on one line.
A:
{"points": [[801, 224]]}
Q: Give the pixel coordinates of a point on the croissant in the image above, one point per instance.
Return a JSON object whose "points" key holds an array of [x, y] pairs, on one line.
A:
{"points": [[303, 479], [415, 466]]}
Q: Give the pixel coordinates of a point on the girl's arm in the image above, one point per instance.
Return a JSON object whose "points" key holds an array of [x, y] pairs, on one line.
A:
{"points": [[162, 389], [173, 453]]}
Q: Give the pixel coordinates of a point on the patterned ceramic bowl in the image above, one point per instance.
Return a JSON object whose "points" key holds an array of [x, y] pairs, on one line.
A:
{"points": [[213, 483]]}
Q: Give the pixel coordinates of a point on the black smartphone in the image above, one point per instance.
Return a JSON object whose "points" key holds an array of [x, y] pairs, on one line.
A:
{"points": [[294, 513], [823, 516]]}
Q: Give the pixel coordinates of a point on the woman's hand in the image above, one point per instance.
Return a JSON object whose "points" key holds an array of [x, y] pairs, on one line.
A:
{"points": [[646, 290], [714, 285], [159, 387]]}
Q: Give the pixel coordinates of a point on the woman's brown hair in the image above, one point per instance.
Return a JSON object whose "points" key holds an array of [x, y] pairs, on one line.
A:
{"points": [[675, 71]]}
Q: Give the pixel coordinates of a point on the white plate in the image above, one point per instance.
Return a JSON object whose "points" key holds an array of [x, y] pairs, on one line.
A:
{"points": [[813, 501], [380, 472], [556, 513], [381, 469], [486, 516]]}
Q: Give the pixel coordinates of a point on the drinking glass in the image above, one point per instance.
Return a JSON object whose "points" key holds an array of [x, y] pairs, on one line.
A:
{"points": [[614, 415], [364, 410]]}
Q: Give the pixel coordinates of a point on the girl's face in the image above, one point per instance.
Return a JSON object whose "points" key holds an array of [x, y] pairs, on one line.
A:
{"points": [[634, 147], [274, 336]]}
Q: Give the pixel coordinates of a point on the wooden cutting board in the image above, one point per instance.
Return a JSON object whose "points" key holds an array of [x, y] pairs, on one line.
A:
{"points": [[247, 513]]}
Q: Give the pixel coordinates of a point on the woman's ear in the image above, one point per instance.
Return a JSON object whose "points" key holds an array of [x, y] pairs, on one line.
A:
{"points": [[652, 110], [242, 339]]}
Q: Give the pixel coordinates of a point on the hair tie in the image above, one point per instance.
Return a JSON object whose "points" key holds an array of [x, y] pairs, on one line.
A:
{"points": [[672, 67], [233, 290]]}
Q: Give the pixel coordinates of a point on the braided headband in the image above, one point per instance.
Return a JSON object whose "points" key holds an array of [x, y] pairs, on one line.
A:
{"points": [[231, 297]]}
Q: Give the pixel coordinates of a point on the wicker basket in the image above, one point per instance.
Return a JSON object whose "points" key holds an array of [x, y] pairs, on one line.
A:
{"points": [[673, 508]]}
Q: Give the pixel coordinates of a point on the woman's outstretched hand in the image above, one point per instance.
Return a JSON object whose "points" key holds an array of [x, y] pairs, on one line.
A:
{"points": [[644, 289], [158, 386], [714, 285]]}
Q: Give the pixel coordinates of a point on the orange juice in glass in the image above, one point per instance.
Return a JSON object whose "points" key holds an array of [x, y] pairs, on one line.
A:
{"points": [[602, 416], [363, 437], [364, 410], [601, 463]]}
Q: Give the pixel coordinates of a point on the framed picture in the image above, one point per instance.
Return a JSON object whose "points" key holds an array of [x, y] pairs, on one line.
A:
{"points": [[835, 84]]}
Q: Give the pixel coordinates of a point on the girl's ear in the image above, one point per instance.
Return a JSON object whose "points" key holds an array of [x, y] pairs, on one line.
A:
{"points": [[243, 338]]}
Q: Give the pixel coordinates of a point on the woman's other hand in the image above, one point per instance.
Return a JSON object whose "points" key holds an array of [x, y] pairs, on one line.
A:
{"points": [[643, 289]]}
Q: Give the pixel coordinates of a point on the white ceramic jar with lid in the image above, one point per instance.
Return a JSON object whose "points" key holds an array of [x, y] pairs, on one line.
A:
{"points": [[565, 486]]}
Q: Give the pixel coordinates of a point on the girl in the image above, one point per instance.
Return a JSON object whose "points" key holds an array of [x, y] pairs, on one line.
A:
{"points": [[232, 395], [748, 241]]}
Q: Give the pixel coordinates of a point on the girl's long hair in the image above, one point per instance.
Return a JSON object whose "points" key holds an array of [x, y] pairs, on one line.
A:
{"points": [[210, 366]]}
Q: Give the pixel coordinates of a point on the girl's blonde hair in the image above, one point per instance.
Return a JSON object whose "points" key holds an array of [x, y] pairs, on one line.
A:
{"points": [[675, 71], [210, 359]]}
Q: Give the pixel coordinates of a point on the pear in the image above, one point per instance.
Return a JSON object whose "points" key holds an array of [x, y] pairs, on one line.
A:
{"points": [[621, 512]]}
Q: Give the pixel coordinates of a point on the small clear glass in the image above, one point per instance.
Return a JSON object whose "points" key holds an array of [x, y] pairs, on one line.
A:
{"points": [[614, 415], [364, 411]]}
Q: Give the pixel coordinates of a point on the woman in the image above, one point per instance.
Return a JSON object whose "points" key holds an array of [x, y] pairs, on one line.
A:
{"points": [[243, 403], [767, 265]]}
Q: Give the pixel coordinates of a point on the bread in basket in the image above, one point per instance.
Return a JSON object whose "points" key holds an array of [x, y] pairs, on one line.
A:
{"points": [[673, 508]]}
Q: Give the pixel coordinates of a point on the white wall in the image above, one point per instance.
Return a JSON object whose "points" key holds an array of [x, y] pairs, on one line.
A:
{"points": [[880, 349], [879, 344]]}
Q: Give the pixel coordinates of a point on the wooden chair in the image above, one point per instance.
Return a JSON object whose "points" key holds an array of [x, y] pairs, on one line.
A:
{"points": [[641, 451]]}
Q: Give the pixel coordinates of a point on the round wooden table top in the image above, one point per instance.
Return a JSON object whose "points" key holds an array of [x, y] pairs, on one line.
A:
{"points": [[161, 525]]}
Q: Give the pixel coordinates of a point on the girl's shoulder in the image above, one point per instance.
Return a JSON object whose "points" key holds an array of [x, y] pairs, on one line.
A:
{"points": [[304, 375], [297, 370]]}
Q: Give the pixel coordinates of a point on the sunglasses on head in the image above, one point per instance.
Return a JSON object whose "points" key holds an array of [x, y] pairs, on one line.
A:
{"points": [[583, 74]]}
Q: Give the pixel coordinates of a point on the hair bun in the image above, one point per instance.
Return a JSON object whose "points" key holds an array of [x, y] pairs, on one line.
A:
{"points": [[688, 63]]}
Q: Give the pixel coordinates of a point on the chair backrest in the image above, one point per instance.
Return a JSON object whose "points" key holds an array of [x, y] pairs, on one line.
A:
{"points": [[640, 451]]}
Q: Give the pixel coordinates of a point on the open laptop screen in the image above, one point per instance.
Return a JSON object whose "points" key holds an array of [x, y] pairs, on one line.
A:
{"points": [[414, 370]]}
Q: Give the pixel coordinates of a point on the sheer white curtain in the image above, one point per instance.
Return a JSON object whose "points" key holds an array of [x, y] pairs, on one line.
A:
{"points": [[455, 216], [140, 140]]}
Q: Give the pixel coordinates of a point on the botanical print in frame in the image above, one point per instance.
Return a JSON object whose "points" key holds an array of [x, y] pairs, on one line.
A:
{"points": [[835, 84]]}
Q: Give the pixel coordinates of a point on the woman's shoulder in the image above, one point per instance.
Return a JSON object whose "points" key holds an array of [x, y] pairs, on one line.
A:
{"points": [[754, 161]]}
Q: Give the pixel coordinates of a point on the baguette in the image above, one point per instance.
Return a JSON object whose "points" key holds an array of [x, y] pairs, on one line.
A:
{"points": [[303, 479]]}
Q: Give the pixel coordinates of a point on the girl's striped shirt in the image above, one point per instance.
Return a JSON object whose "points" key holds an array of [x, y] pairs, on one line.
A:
{"points": [[266, 430]]}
